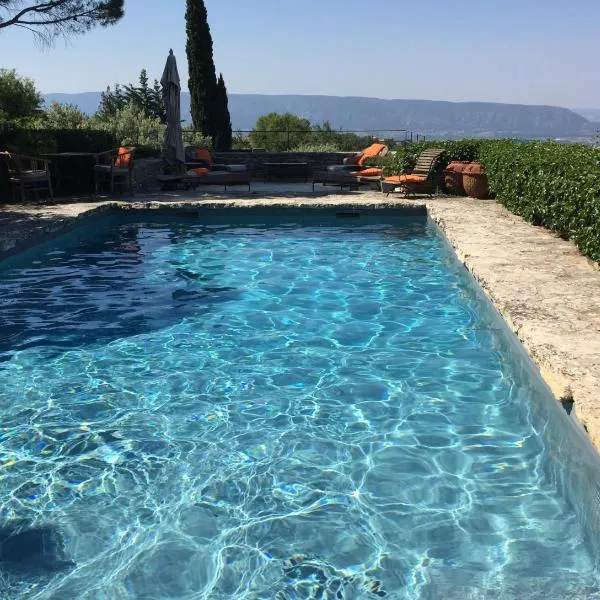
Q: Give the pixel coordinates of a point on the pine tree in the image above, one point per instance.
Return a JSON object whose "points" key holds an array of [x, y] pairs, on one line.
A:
{"points": [[157, 102], [222, 121], [202, 81], [143, 97]]}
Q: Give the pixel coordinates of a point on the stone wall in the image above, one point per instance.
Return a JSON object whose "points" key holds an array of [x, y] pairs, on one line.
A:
{"points": [[255, 160], [146, 169]]}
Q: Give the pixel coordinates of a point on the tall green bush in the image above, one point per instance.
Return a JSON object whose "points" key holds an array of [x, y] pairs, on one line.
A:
{"points": [[203, 78], [223, 135], [131, 126]]}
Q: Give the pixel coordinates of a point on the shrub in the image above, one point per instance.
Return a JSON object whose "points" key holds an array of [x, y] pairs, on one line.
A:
{"points": [[240, 141], [192, 137], [62, 116], [316, 147], [32, 142], [550, 184], [130, 126]]}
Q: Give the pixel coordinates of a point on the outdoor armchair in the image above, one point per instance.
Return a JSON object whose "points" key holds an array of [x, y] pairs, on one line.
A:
{"points": [[27, 174], [116, 167]]}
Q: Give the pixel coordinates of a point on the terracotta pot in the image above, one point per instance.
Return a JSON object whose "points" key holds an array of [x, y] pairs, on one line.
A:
{"points": [[458, 166], [475, 181], [453, 183]]}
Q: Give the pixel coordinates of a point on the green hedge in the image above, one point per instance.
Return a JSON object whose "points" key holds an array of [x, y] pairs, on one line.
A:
{"points": [[547, 183], [40, 141]]}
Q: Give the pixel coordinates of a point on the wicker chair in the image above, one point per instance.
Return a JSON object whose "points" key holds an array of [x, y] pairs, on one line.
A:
{"points": [[115, 166], [421, 180], [27, 174]]}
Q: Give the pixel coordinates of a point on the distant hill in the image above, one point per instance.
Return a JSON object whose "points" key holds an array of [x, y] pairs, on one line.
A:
{"points": [[592, 114], [426, 117]]}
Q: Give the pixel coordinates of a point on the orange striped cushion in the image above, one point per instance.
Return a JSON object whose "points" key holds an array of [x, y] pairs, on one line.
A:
{"points": [[404, 179]]}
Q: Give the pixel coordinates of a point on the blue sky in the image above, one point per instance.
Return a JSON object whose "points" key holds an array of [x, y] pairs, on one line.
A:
{"points": [[520, 51]]}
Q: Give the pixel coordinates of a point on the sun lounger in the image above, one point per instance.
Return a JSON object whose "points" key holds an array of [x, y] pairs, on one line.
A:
{"points": [[421, 180], [189, 181]]}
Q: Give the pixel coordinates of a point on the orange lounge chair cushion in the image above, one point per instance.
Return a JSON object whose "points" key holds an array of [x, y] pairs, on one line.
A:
{"points": [[370, 152], [205, 155], [370, 172], [404, 179], [199, 171], [123, 157]]}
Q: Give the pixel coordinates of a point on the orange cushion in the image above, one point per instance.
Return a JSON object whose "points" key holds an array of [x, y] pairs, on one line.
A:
{"points": [[123, 157], [370, 152], [198, 171], [370, 172], [404, 179], [202, 154]]}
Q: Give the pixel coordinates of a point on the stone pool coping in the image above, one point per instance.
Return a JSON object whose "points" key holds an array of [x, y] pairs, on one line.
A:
{"points": [[543, 287]]}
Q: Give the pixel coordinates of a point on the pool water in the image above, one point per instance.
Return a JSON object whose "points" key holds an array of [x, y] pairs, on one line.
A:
{"points": [[324, 409]]}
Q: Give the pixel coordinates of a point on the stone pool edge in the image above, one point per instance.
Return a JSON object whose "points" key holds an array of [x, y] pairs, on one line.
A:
{"points": [[543, 288]]}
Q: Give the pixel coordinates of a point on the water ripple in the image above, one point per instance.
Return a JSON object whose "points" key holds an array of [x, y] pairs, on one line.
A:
{"points": [[285, 412]]}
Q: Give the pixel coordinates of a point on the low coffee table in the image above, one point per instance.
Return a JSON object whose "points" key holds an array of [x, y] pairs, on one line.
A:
{"points": [[287, 170]]}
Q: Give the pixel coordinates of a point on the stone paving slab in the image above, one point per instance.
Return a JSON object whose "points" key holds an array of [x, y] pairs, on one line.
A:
{"points": [[545, 290]]}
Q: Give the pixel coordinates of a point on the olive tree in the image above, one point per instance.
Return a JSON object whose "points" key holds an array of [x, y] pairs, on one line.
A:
{"points": [[280, 132], [19, 99]]}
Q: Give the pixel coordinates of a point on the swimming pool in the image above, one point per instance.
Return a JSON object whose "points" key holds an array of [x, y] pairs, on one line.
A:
{"points": [[279, 406]]}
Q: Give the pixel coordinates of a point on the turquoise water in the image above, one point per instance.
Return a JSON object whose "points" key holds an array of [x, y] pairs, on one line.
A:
{"points": [[325, 410]]}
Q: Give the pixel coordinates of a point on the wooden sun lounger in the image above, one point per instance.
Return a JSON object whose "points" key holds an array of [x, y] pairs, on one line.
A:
{"points": [[343, 179], [423, 173]]}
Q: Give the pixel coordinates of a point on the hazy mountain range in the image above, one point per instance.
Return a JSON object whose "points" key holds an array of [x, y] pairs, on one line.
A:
{"points": [[425, 117]]}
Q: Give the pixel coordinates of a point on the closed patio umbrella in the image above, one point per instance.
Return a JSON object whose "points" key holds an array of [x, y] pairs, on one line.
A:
{"points": [[171, 91]]}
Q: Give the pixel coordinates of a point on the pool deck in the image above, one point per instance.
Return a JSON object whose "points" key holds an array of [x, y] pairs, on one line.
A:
{"points": [[545, 290]]}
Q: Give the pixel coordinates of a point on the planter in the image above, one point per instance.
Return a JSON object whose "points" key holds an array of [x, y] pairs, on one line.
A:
{"points": [[453, 177], [475, 181]]}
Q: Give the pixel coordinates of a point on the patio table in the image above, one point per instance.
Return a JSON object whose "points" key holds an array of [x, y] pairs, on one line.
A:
{"points": [[287, 170], [72, 171]]}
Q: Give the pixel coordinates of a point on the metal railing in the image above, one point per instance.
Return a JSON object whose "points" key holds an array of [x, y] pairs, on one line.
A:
{"points": [[284, 140]]}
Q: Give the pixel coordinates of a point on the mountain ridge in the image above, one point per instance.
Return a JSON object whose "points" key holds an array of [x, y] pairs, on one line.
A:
{"points": [[436, 118]]}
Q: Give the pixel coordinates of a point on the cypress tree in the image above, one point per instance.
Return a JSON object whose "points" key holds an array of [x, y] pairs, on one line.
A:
{"points": [[223, 135], [203, 80]]}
